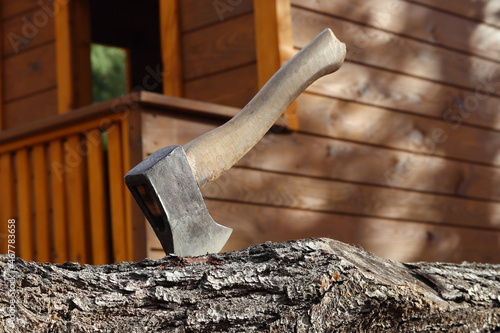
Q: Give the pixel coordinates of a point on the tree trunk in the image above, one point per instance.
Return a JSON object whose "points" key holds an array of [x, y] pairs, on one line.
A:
{"points": [[313, 285]]}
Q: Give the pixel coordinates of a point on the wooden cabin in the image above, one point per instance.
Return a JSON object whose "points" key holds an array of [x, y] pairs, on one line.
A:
{"points": [[398, 152]]}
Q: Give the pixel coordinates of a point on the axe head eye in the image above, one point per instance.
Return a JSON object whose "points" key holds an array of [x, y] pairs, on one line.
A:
{"points": [[148, 201]]}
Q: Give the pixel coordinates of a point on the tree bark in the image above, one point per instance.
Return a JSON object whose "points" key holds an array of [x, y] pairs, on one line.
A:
{"points": [[312, 285]]}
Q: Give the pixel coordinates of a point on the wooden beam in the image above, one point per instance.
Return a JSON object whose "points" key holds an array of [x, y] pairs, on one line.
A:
{"points": [[119, 232], [65, 82], [171, 47], [11, 8], [2, 110], [318, 154], [425, 58], [58, 202], [226, 45], [307, 193], [24, 229], [482, 11], [132, 155], [73, 38], [111, 110], [7, 204], [399, 19], [80, 49], [41, 204], [428, 136], [196, 14], [57, 133], [76, 200], [29, 72], [274, 44], [233, 87], [98, 201], [20, 35], [400, 240]]}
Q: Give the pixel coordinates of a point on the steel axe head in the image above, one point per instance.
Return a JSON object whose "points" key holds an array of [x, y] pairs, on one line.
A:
{"points": [[168, 194], [167, 184]]}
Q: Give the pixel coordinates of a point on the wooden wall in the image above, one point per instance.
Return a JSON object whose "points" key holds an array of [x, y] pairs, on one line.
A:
{"points": [[28, 61], [397, 152], [415, 110], [218, 51]]}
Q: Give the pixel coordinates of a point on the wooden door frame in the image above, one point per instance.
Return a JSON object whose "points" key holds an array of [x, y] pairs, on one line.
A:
{"points": [[170, 34], [274, 44], [2, 125], [73, 38]]}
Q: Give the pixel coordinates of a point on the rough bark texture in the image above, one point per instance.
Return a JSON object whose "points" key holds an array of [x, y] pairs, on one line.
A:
{"points": [[314, 285]]}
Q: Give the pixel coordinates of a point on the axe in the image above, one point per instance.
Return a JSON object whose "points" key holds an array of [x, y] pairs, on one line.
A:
{"points": [[167, 184]]}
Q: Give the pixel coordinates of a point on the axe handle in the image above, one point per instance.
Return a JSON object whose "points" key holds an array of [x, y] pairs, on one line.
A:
{"points": [[213, 153]]}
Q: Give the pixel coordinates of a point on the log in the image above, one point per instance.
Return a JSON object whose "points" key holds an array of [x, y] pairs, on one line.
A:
{"points": [[311, 285]]}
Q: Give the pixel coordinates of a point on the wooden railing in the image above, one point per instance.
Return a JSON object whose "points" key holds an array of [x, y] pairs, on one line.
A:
{"points": [[61, 181]]}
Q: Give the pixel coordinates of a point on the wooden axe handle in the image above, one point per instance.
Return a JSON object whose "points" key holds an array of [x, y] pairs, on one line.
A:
{"points": [[213, 153]]}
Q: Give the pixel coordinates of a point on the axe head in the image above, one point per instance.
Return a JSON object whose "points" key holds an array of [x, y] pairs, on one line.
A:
{"points": [[167, 192]]}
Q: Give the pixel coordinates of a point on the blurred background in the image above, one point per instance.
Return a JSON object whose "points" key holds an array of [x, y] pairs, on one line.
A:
{"points": [[397, 152]]}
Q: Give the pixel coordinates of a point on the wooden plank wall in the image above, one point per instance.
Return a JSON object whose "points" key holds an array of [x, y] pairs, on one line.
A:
{"points": [[28, 59], [418, 95], [397, 152], [218, 51]]}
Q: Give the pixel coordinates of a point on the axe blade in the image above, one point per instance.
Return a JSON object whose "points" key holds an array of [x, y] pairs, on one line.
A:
{"points": [[168, 194]]}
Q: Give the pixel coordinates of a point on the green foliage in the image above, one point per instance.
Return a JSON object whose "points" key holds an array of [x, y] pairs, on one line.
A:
{"points": [[109, 74]]}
